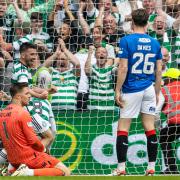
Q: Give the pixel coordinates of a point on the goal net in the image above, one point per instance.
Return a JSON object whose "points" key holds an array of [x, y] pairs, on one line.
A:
{"points": [[84, 108]]}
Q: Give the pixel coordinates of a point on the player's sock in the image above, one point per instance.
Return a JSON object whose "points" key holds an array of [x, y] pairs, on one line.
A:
{"points": [[121, 148], [121, 166], [48, 172], [151, 148], [3, 156], [11, 169]]}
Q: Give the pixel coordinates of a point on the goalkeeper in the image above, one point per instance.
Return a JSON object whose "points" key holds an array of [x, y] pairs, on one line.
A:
{"points": [[20, 141], [171, 108]]}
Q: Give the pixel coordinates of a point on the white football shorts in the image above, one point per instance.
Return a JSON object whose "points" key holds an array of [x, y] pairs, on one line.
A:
{"points": [[143, 101]]}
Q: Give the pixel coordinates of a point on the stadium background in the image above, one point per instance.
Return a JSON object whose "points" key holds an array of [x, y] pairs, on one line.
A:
{"points": [[86, 141]]}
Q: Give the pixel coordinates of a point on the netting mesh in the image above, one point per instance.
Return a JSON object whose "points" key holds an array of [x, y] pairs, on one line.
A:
{"points": [[84, 107]]}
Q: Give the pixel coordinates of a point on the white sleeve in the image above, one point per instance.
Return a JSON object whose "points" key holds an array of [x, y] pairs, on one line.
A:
{"points": [[23, 79], [92, 12], [169, 21], [110, 50]]}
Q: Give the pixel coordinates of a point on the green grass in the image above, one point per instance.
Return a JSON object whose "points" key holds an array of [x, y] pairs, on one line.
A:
{"points": [[97, 178]]}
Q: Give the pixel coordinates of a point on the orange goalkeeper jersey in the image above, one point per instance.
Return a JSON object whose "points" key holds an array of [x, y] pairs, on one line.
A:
{"points": [[18, 136]]}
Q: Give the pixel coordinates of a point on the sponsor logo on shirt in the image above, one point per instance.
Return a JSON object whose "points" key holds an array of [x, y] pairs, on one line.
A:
{"points": [[144, 40]]}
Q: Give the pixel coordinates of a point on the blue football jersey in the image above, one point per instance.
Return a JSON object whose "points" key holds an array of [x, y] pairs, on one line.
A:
{"points": [[141, 52]]}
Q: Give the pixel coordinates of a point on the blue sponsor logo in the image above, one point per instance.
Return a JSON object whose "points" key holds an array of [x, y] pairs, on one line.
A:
{"points": [[152, 109]]}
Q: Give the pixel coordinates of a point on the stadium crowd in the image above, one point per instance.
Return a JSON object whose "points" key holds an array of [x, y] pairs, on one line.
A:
{"points": [[68, 53]]}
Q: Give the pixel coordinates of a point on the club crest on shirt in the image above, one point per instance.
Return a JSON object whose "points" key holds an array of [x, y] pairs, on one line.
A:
{"points": [[61, 78]]}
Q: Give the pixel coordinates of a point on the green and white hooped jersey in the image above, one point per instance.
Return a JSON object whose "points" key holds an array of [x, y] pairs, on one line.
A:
{"points": [[67, 85], [101, 88], [20, 74], [177, 48], [41, 112]]}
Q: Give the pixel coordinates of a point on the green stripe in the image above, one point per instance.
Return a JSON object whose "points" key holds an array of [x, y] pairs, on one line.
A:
{"points": [[63, 104], [103, 95], [101, 103], [61, 97]]}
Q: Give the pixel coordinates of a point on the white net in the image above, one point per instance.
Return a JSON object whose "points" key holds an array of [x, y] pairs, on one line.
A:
{"points": [[84, 107]]}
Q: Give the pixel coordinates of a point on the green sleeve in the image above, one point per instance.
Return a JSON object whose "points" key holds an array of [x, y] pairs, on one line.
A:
{"points": [[43, 8], [12, 11]]}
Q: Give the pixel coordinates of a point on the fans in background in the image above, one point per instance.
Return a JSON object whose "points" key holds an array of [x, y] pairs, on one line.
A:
{"points": [[21, 36], [177, 49], [58, 14], [65, 78], [110, 27], [6, 22], [161, 33], [98, 40], [154, 8], [24, 150], [36, 36], [171, 108], [39, 37], [140, 65], [101, 80], [172, 7], [165, 59], [5, 70], [109, 8], [75, 37], [23, 9]]}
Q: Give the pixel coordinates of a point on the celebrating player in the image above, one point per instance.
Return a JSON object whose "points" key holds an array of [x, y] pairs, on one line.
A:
{"points": [[140, 65], [20, 141]]}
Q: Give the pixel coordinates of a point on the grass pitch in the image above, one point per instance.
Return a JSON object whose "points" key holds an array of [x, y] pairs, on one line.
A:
{"points": [[96, 178]]}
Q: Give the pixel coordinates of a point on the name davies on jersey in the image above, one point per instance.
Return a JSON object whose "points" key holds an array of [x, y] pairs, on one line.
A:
{"points": [[144, 47]]}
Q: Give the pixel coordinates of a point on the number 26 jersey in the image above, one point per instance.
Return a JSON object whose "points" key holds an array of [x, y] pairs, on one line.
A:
{"points": [[141, 51]]}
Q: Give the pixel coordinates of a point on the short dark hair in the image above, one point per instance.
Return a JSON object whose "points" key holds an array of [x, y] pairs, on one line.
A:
{"points": [[26, 46], [140, 17], [16, 88], [36, 16]]}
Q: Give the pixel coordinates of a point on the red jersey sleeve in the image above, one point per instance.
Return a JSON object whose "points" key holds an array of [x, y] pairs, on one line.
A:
{"points": [[29, 133]]}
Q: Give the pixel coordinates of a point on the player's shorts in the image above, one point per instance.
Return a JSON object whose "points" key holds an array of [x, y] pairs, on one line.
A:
{"points": [[42, 160], [143, 101]]}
